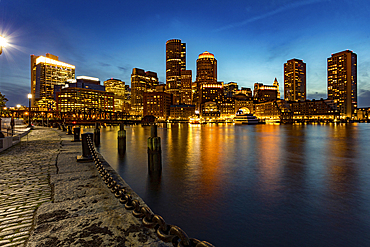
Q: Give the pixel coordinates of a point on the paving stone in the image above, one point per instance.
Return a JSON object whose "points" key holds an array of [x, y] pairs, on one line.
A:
{"points": [[4, 241], [65, 203]]}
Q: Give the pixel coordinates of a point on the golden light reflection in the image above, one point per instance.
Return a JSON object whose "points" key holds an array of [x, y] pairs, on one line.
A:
{"points": [[339, 171], [269, 146]]}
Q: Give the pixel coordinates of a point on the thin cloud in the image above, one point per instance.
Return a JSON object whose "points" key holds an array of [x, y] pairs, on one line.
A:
{"points": [[271, 13]]}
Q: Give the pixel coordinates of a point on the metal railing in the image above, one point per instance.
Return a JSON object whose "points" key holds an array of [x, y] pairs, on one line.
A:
{"points": [[165, 232]]}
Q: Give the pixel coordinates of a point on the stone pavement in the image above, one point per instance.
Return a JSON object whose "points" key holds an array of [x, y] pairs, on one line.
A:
{"points": [[48, 199]]}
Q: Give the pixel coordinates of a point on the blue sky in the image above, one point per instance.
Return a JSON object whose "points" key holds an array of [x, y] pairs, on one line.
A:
{"points": [[251, 40]]}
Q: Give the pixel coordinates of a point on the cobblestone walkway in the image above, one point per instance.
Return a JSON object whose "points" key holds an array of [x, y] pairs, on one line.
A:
{"points": [[25, 171]]}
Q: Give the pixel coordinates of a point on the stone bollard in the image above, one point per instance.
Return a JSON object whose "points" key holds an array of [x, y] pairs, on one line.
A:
{"points": [[97, 135], [154, 151], [69, 132], [121, 139], [86, 154], [76, 134]]}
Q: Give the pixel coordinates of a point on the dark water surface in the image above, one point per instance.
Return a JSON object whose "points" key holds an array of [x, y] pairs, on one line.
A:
{"points": [[263, 185]]}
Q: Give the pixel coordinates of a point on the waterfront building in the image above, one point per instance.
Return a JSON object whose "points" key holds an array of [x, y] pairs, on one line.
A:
{"points": [[342, 81], [175, 64], [243, 102], [141, 82], [182, 112], [157, 104], [186, 89], [84, 103], [210, 111], [118, 88], [46, 72], [230, 89], [228, 108], [295, 80], [315, 110], [263, 93], [273, 111]]}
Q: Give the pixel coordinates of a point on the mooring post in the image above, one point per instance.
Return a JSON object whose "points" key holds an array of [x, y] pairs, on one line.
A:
{"points": [[86, 154], [154, 151], [69, 132], [121, 139], [76, 134], [97, 134]]}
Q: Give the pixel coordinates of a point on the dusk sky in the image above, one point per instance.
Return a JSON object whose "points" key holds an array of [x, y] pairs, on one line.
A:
{"points": [[251, 40]]}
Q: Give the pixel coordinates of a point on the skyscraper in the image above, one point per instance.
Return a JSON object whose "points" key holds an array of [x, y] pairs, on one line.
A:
{"points": [[206, 69], [141, 82], [206, 76], [46, 72], [175, 63], [342, 81], [186, 90], [295, 80], [118, 88]]}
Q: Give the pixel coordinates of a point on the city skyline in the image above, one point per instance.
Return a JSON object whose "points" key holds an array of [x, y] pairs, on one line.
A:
{"points": [[251, 41]]}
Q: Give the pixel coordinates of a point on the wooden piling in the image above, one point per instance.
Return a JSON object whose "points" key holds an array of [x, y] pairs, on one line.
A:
{"points": [[122, 139], [97, 134], [154, 151]]}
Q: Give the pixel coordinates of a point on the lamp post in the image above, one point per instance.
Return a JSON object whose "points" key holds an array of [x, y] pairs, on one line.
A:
{"points": [[29, 109], [3, 43]]}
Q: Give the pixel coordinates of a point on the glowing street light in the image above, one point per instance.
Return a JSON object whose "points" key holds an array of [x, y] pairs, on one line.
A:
{"points": [[29, 109], [3, 43]]}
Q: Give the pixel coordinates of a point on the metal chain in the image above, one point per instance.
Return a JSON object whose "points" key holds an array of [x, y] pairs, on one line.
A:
{"points": [[165, 232]]}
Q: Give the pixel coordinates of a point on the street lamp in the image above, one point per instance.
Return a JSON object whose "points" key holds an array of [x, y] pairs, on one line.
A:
{"points": [[29, 109], [3, 43]]}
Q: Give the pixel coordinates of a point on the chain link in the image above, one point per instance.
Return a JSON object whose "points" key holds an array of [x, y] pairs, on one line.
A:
{"points": [[165, 232]]}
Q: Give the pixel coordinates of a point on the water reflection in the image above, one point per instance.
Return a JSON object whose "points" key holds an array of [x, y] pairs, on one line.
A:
{"points": [[264, 185]]}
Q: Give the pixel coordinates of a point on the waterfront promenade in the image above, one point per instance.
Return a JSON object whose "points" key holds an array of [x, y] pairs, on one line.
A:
{"points": [[48, 199]]}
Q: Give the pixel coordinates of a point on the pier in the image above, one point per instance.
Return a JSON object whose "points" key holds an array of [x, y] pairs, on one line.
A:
{"points": [[48, 199]]}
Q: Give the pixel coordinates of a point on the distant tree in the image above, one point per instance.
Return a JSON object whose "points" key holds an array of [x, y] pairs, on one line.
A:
{"points": [[3, 100]]}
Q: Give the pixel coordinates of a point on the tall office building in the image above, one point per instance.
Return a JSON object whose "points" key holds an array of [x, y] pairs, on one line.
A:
{"points": [[46, 72], [206, 69], [141, 82], [186, 89], [175, 63], [118, 88], [295, 80], [206, 76], [342, 81]]}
